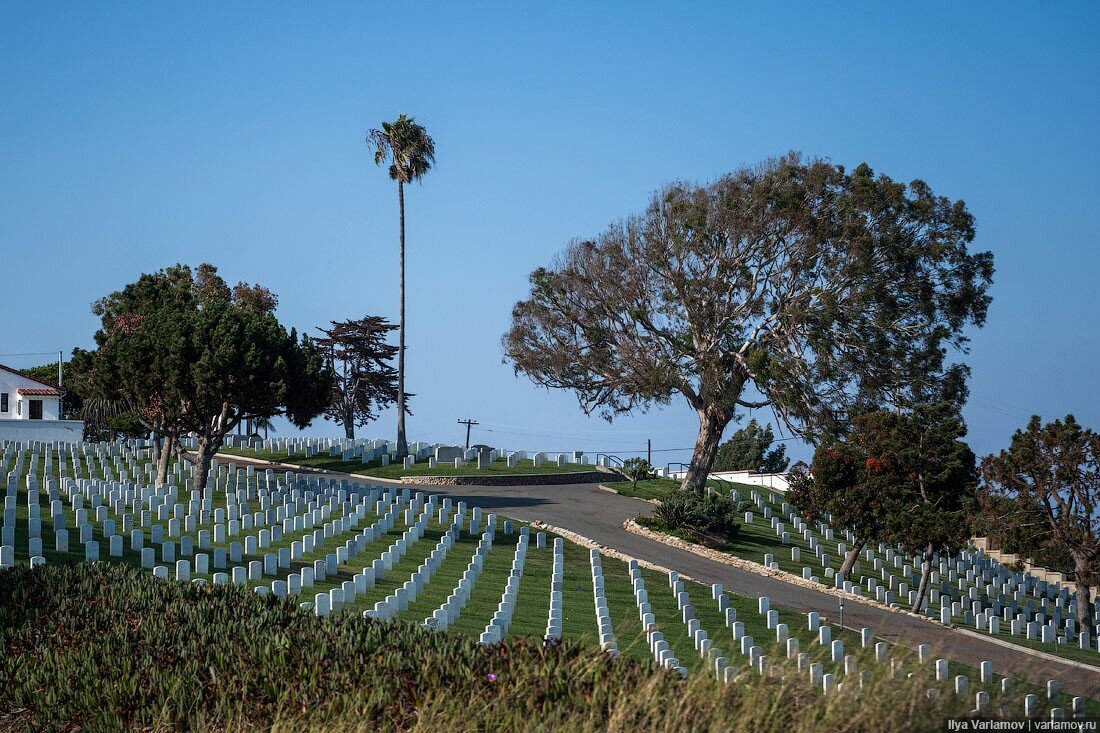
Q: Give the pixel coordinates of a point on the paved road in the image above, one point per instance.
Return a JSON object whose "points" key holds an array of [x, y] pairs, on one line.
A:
{"points": [[599, 515]]}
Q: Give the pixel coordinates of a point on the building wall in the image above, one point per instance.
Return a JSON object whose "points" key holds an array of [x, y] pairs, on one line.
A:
{"points": [[47, 431], [774, 481], [11, 384]]}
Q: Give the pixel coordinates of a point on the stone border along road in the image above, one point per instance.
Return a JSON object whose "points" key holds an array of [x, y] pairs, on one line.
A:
{"points": [[599, 516]]}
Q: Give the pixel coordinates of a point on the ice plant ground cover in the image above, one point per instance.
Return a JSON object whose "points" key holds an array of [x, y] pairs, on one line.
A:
{"points": [[106, 646], [328, 549]]}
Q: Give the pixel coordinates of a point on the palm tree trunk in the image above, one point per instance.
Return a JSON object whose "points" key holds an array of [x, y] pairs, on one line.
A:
{"points": [[402, 444]]}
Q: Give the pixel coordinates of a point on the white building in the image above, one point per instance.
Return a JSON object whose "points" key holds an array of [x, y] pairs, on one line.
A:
{"points": [[30, 410]]}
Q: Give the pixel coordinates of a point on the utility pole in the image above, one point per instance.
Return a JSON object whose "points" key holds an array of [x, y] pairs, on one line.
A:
{"points": [[60, 390], [649, 451], [468, 424]]}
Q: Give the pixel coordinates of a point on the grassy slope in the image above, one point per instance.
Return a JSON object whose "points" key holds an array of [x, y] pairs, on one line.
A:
{"points": [[757, 539], [530, 616], [659, 488], [498, 467]]}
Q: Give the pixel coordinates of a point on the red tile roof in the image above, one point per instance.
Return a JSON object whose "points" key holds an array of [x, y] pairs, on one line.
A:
{"points": [[38, 392], [27, 376]]}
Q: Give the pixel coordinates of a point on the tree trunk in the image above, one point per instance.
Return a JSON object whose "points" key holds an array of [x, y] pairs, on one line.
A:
{"points": [[402, 444], [711, 425], [1085, 609], [208, 448], [851, 556], [925, 576], [348, 418], [164, 460]]}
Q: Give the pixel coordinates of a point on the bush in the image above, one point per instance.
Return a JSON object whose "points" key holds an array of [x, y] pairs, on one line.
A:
{"points": [[637, 469], [707, 516], [107, 647]]}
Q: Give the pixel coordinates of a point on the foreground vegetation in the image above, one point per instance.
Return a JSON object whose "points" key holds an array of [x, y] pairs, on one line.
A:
{"points": [[107, 647]]}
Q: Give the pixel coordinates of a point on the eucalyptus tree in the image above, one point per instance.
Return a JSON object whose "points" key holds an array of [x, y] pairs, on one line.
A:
{"points": [[796, 285], [410, 153]]}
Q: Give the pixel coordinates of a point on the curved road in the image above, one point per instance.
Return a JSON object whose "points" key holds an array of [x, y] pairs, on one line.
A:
{"points": [[599, 515]]}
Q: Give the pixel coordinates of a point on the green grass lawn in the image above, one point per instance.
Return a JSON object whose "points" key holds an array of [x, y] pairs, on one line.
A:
{"points": [[659, 488], [375, 469], [756, 539], [529, 620]]}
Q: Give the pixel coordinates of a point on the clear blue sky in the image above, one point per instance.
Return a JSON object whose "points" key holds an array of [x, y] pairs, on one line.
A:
{"points": [[134, 136]]}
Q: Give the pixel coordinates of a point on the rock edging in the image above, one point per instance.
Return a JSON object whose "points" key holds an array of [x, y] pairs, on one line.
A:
{"points": [[632, 526]]}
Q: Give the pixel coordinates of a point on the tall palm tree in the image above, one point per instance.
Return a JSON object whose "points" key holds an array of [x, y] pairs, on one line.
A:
{"points": [[410, 153]]}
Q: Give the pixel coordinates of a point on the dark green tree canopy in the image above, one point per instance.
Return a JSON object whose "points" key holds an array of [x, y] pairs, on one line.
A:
{"points": [[194, 356], [364, 380], [797, 284], [900, 478], [1048, 480], [750, 449]]}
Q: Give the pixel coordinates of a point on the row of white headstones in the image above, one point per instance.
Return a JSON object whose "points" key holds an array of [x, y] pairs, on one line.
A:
{"points": [[978, 571], [387, 507], [986, 593], [370, 450]]}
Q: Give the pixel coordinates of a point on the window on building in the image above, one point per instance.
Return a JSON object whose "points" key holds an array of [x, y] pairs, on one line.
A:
{"points": [[35, 410], [3, 401]]}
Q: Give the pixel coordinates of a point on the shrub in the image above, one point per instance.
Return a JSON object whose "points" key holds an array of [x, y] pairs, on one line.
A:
{"points": [[708, 516], [637, 469], [107, 647]]}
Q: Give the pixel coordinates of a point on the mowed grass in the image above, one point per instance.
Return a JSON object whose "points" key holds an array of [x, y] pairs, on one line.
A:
{"points": [[533, 605], [579, 617], [757, 539], [659, 488], [375, 469]]}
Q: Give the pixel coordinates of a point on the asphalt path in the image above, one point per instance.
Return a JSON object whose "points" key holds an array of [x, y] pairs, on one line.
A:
{"points": [[599, 515]]}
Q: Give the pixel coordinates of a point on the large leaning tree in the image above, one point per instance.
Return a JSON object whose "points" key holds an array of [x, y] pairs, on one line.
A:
{"points": [[1053, 473], [364, 381], [797, 285], [196, 357]]}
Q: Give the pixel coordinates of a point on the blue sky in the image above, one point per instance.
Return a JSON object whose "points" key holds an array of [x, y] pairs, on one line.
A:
{"points": [[134, 136]]}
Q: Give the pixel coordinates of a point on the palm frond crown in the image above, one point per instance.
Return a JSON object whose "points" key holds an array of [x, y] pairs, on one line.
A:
{"points": [[406, 146]]}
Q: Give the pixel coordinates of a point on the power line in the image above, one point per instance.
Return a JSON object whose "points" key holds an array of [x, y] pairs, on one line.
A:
{"points": [[468, 423], [580, 432], [1005, 404], [558, 436]]}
